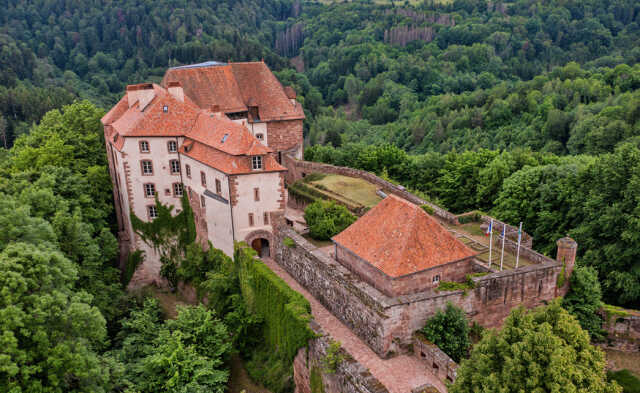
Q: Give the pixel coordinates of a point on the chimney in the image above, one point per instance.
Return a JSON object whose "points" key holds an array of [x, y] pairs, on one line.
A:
{"points": [[175, 89], [142, 93], [567, 251]]}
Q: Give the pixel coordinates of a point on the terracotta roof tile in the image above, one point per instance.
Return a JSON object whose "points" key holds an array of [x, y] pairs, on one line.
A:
{"points": [[152, 120], [399, 238], [210, 129], [209, 86], [225, 162], [235, 86], [256, 81]]}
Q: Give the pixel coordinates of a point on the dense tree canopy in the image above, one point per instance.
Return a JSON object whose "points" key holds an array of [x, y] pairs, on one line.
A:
{"points": [[543, 350]]}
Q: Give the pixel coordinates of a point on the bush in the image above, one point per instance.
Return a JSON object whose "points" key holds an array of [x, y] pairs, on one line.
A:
{"points": [[629, 382], [287, 241], [584, 300], [449, 330], [327, 219]]}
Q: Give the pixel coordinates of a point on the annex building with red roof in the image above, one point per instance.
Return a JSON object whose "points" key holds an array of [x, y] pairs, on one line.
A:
{"points": [[400, 249], [215, 132]]}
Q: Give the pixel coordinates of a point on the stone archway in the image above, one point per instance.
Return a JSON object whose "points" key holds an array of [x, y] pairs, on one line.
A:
{"points": [[262, 242]]}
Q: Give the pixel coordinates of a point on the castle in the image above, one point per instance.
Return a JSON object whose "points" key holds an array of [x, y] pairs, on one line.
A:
{"points": [[215, 131], [230, 136]]}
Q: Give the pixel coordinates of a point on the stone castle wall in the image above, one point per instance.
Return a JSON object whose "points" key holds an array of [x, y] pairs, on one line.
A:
{"points": [[387, 324], [298, 168], [623, 331], [438, 362], [349, 376]]}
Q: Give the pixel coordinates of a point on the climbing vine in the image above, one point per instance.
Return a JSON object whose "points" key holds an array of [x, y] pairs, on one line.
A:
{"points": [[168, 234]]}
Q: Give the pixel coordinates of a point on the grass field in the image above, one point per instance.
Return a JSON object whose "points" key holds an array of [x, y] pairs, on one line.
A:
{"points": [[351, 188]]}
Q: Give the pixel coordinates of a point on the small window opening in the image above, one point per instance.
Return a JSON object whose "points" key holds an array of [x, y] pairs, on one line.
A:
{"points": [[218, 187], [202, 201], [260, 136], [250, 219], [266, 218], [256, 162], [436, 279]]}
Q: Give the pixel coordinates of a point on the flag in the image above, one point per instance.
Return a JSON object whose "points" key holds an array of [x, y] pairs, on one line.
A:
{"points": [[489, 228]]}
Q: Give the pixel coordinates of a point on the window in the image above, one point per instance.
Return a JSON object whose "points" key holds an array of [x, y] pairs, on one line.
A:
{"points": [[218, 187], [256, 162], [436, 279], [172, 146], [202, 201], [260, 137], [165, 109], [167, 191], [149, 190], [175, 166], [266, 218], [250, 219], [203, 179], [152, 211], [144, 147], [256, 194], [177, 189], [147, 167], [187, 168]]}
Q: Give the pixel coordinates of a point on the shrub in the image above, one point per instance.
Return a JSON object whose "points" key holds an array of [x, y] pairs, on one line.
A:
{"points": [[584, 299], [287, 241], [428, 209], [629, 382], [449, 330], [327, 219]]}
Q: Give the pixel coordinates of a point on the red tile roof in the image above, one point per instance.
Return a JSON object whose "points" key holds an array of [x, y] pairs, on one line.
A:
{"points": [[399, 238], [225, 162], [152, 120], [234, 87], [215, 140], [210, 129]]}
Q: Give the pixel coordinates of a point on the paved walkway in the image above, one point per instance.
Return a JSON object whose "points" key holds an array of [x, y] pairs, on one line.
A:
{"points": [[399, 374]]}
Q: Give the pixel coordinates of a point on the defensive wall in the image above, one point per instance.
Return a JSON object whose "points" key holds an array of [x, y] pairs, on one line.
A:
{"points": [[314, 373], [298, 169], [623, 329], [387, 324], [440, 364]]}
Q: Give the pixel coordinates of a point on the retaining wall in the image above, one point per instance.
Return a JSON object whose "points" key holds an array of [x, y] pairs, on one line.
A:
{"points": [[387, 324], [623, 331], [349, 376], [440, 364]]}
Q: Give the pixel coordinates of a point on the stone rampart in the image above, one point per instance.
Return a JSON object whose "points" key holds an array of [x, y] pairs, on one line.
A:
{"points": [[311, 375], [297, 169], [623, 329], [387, 324], [438, 362]]}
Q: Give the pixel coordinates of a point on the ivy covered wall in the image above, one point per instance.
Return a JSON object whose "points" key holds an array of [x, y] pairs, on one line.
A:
{"points": [[285, 312]]}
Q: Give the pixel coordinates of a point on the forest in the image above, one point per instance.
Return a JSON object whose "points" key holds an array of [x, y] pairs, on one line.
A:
{"points": [[528, 110]]}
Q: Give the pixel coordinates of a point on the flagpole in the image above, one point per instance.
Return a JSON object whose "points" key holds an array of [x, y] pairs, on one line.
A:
{"points": [[490, 241], [504, 234], [519, 238]]}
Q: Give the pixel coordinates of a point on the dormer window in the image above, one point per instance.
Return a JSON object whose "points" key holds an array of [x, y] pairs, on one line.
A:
{"points": [[256, 163], [165, 109]]}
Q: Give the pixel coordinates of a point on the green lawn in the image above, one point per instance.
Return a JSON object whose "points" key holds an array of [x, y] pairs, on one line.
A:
{"points": [[351, 188]]}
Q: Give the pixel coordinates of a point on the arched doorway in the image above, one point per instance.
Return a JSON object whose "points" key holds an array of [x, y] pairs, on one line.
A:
{"points": [[261, 245]]}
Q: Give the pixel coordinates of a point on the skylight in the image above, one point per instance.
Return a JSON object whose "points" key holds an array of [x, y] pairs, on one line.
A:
{"points": [[224, 138]]}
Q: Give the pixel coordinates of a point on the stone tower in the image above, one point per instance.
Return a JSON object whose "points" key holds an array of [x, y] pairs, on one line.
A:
{"points": [[567, 250]]}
